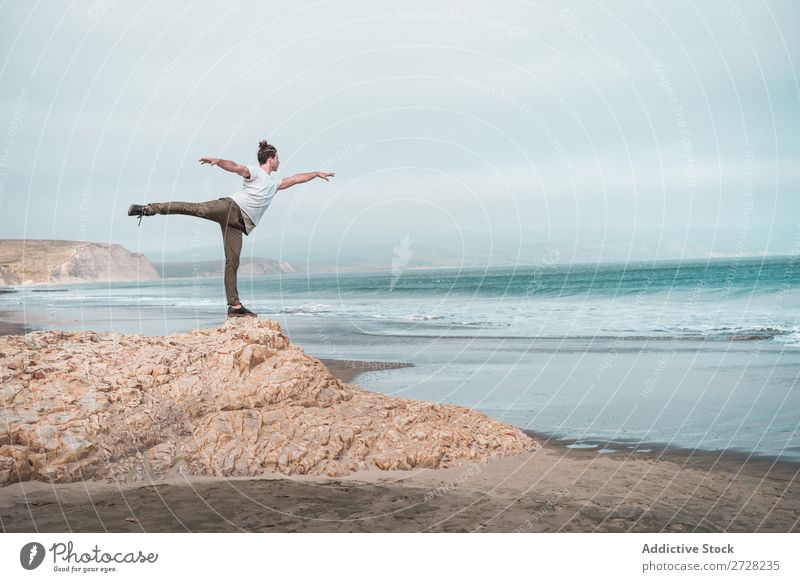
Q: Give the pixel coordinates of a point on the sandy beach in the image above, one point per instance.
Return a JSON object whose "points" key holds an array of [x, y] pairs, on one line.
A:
{"points": [[551, 490]]}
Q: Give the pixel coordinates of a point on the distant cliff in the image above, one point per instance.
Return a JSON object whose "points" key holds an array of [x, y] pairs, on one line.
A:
{"points": [[32, 262], [248, 266]]}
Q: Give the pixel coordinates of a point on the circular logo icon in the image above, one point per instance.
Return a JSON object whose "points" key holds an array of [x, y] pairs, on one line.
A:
{"points": [[31, 555]]}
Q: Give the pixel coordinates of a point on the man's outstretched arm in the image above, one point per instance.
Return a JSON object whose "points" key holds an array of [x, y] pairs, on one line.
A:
{"points": [[227, 165], [304, 177]]}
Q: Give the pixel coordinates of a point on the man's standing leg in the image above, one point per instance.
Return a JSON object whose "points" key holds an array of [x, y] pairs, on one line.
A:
{"points": [[232, 238], [232, 231]]}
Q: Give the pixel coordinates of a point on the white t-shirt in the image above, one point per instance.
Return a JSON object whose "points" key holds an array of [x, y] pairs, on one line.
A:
{"points": [[257, 192]]}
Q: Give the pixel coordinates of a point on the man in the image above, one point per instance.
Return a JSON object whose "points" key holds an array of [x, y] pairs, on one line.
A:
{"points": [[238, 213]]}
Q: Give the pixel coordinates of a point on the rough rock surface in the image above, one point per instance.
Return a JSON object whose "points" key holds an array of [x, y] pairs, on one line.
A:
{"points": [[238, 400]]}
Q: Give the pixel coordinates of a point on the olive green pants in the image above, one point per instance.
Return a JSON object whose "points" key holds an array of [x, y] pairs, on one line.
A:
{"points": [[226, 213]]}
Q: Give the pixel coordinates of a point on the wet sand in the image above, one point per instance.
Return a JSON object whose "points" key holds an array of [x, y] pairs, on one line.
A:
{"points": [[347, 370], [7, 328], [13, 328]]}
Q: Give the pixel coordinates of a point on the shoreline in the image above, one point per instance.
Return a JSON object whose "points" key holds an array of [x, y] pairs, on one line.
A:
{"points": [[652, 451]]}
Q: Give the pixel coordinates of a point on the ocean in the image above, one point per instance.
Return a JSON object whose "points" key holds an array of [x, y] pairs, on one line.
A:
{"points": [[617, 357]]}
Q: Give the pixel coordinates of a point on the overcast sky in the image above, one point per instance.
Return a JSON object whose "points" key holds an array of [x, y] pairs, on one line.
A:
{"points": [[475, 132]]}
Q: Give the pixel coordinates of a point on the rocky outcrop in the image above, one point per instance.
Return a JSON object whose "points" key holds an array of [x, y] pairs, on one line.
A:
{"points": [[34, 262], [238, 400]]}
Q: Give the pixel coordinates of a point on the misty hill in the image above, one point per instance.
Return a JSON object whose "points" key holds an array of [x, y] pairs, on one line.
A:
{"points": [[248, 266], [33, 262]]}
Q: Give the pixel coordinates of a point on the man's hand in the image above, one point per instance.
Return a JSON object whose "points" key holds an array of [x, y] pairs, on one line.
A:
{"points": [[212, 161], [324, 175]]}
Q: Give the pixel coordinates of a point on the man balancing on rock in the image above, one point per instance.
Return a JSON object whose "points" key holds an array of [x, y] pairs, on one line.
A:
{"points": [[238, 213]]}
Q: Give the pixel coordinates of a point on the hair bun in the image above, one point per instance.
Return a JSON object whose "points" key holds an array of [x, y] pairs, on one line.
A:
{"points": [[263, 144]]}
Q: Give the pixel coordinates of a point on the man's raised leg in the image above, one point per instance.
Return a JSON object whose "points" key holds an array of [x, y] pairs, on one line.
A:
{"points": [[215, 210]]}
